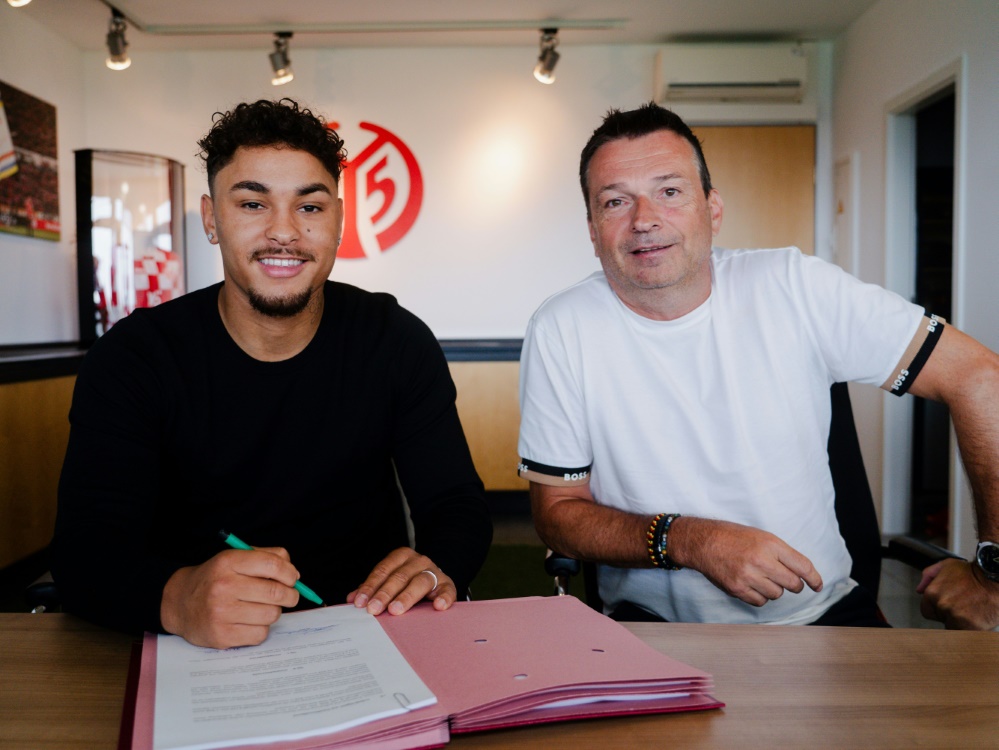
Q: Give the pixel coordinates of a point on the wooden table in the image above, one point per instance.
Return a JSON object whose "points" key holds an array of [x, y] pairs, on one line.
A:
{"points": [[62, 683]]}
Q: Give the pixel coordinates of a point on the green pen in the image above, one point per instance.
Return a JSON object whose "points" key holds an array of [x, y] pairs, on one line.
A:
{"points": [[236, 543]]}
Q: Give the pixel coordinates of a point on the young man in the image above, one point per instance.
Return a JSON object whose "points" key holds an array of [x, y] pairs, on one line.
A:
{"points": [[675, 406], [277, 405]]}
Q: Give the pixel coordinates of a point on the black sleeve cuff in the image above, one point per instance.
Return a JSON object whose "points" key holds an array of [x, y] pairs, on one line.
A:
{"points": [[900, 384], [556, 476]]}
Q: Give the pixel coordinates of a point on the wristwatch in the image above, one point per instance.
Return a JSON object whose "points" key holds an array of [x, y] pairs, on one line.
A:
{"points": [[987, 557]]}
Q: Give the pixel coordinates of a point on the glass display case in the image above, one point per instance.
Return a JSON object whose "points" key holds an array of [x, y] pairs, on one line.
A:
{"points": [[130, 235]]}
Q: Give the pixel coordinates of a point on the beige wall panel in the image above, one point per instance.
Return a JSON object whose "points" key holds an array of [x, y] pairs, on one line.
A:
{"points": [[766, 177], [34, 430], [490, 415]]}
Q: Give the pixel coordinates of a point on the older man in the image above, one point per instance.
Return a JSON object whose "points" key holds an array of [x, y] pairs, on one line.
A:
{"points": [[675, 406]]}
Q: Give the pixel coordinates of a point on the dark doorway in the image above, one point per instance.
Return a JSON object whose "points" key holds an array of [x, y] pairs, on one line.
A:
{"points": [[934, 254]]}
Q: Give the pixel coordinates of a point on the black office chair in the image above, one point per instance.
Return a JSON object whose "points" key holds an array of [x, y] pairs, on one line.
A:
{"points": [[858, 522]]}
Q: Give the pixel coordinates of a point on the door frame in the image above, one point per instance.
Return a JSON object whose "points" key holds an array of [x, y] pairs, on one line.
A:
{"points": [[900, 238]]}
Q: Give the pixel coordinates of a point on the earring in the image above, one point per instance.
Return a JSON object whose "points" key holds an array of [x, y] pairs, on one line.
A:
{"points": [[211, 236]]}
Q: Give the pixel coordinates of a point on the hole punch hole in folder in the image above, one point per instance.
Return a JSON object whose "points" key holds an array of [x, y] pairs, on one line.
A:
{"points": [[520, 676]]}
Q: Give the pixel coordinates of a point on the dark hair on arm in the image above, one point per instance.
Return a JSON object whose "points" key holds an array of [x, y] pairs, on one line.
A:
{"points": [[270, 123], [647, 119]]}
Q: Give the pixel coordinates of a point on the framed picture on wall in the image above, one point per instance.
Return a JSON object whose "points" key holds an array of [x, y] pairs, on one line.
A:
{"points": [[130, 222], [29, 165]]}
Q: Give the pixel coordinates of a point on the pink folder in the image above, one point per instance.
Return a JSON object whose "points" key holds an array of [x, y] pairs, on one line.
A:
{"points": [[502, 663], [504, 659]]}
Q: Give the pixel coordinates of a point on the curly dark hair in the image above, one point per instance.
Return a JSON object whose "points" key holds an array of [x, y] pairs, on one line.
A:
{"points": [[270, 123], [647, 119]]}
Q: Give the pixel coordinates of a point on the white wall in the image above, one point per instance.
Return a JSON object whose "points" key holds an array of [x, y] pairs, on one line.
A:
{"points": [[502, 224], [895, 47], [38, 277]]}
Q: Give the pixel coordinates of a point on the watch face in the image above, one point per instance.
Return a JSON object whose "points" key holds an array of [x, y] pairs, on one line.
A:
{"points": [[988, 557]]}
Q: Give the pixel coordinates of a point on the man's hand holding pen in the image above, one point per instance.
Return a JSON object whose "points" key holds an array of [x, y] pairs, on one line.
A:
{"points": [[234, 598], [231, 599]]}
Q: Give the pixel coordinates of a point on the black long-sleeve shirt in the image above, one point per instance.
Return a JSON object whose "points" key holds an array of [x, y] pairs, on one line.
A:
{"points": [[177, 433]]}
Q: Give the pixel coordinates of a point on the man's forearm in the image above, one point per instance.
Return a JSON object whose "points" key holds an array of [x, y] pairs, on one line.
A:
{"points": [[973, 402], [594, 533], [750, 564], [964, 375]]}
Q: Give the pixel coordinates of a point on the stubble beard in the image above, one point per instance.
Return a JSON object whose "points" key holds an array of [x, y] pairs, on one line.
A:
{"points": [[280, 307], [667, 274]]}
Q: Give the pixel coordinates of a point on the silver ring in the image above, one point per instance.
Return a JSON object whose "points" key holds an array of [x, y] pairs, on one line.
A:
{"points": [[432, 575]]}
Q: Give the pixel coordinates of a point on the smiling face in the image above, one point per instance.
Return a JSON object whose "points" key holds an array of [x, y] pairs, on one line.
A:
{"points": [[277, 219], [651, 224]]}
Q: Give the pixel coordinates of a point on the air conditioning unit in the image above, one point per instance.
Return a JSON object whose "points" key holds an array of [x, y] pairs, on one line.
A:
{"points": [[736, 73]]}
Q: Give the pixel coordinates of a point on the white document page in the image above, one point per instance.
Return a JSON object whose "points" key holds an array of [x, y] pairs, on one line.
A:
{"points": [[319, 671]]}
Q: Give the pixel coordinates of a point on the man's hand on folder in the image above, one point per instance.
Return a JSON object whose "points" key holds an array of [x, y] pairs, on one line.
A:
{"points": [[230, 600], [401, 580]]}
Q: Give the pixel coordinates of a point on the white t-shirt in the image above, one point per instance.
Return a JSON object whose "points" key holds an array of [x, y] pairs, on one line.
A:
{"points": [[723, 413]]}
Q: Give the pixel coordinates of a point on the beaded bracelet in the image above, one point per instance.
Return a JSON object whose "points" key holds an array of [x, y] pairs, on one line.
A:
{"points": [[657, 541], [667, 562], [652, 538]]}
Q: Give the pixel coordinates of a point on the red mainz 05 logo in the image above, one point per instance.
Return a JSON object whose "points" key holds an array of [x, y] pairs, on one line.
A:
{"points": [[365, 234]]}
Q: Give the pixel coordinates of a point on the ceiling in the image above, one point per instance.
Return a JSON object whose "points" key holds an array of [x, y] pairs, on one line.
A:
{"points": [[219, 24]]}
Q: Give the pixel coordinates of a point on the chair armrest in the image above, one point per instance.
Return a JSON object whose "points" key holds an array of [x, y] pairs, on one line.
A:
{"points": [[560, 565], [43, 595], [916, 553], [561, 569]]}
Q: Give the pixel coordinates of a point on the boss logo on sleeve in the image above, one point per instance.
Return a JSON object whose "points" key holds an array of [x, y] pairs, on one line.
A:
{"points": [[922, 344], [552, 475], [899, 380]]}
